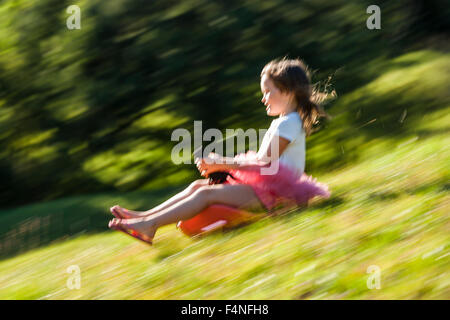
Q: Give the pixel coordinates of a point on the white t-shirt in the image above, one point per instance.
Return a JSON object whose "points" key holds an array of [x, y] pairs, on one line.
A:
{"points": [[290, 127]]}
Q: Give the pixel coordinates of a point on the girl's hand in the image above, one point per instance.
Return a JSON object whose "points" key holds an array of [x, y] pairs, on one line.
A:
{"points": [[207, 168], [214, 156]]}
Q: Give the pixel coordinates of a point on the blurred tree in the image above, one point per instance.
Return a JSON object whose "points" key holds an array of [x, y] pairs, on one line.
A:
{"points": [[93, 109]]}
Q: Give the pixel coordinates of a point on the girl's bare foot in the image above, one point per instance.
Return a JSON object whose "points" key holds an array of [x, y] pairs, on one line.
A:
{"points": [[139, 228], [123, 213]]}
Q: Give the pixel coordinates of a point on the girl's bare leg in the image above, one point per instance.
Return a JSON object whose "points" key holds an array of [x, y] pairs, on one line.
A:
{"points": [[194, 186], [240, 196]]}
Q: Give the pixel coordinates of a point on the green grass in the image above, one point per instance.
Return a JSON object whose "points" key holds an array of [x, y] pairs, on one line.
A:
{"points": [[390, 208]]}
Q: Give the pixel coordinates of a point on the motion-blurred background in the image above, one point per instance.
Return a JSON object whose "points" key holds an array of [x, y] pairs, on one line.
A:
{"points": [[86, 118]]}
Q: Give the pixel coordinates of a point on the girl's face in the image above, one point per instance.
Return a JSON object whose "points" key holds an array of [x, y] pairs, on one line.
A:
{"points": [[276, 103]]}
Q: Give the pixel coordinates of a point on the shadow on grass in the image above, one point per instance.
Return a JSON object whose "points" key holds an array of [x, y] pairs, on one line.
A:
{"points": [[33, 226], [331, 202], [383, 196], [439, 185]]}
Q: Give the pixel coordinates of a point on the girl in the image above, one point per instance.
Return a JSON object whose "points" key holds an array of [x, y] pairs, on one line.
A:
{"points": [[287, 93]]}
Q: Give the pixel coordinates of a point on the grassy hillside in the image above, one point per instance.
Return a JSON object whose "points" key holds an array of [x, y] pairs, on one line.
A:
{"points": [[389, 208]]}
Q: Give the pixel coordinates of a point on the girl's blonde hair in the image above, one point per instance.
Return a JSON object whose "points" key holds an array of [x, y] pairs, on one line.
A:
{"points": [[293, 76]]}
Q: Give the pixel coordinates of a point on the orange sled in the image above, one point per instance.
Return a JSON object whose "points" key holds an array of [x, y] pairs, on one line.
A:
{"points": [[216, 217]]}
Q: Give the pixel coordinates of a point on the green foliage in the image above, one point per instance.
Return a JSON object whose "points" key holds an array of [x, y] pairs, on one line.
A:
{"points": [[86, 118], [374, 217], [115, 90], [388, 208]]}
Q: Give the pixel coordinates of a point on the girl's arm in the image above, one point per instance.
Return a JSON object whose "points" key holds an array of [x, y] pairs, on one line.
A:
{"points": [[224, 164], [282, 144], [218, 163]]}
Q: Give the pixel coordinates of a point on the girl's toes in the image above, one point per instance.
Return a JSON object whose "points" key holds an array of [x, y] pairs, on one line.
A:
{"points": [[115, 212], [113, 208], [114, 223], [122, 210]]}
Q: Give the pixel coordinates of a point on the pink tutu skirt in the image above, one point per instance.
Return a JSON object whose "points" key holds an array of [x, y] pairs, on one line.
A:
{"points": [[285, 188]]}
